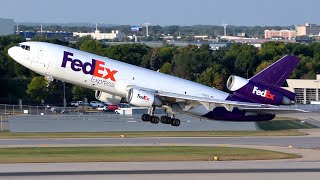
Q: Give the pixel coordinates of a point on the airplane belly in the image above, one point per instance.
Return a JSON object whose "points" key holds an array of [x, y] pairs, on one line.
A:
{"points": [[221, 114]]}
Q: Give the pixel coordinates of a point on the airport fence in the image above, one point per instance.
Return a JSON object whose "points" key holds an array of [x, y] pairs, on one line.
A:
{"points": [[7, 110]]}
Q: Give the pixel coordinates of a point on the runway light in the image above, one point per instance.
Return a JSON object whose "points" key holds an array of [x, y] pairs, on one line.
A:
{"points": [[216, 158], [122, 136]]}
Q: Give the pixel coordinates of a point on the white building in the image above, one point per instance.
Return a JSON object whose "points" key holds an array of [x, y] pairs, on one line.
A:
{"points": [[307, 90], [6, 26], [115, 34]]}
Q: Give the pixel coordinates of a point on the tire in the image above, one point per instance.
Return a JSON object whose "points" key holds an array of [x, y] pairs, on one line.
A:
{"points": [[145, 117], [163, 119], [155, 120], [175, 122], [168, 120]]}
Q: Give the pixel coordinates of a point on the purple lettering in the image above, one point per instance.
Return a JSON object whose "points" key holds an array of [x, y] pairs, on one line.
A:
{"points": [[76, 65], [66, 58], [91, 67]]}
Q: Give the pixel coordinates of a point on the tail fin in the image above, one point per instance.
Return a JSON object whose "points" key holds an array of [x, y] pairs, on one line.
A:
{"points": [[277, 73]]}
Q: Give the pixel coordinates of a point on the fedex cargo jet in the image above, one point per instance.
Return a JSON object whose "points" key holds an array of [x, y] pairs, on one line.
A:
{"points": [[254, 99]]}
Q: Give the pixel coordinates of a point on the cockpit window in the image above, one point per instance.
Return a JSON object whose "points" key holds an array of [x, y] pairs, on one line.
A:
{"points": [[25, 47]]}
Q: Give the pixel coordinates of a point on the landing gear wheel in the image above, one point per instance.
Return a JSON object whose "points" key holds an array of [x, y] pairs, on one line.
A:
{"points": [[168, 120], [154, 119], [145, 117], [163, 119], [175, 122]]}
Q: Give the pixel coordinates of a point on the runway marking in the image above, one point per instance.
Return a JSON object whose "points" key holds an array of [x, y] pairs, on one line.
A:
{"points": [[172, 171]]}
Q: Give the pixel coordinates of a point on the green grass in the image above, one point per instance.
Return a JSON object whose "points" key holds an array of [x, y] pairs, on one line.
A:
{"points": [[283, 125], [134, 153], [152, 134]]}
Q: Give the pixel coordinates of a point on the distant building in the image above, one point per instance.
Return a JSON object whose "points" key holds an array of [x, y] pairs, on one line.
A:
{"points": [[308, 29], [6, 26], [100, 36], [307, 90], [283, 34]]}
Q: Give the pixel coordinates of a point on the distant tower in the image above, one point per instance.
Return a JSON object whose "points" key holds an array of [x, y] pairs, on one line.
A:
{"points": [[17, 31], [97, 31], [147, 28], [225, 29], [41, 30]]}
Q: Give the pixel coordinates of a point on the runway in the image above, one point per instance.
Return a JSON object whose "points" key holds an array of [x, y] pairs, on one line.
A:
{"points": [[307, 167], [295, 141], [159, 170]]}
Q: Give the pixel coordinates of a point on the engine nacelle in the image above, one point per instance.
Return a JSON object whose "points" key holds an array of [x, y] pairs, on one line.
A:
{"points": [[142, 98], [107, 98], [235, 82]]}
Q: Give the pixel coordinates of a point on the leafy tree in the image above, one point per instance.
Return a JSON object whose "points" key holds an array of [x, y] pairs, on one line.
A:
{"points": [[93, 46], [37, 89], [79, 93], [166, 68], [129, 53], [215, 76]]}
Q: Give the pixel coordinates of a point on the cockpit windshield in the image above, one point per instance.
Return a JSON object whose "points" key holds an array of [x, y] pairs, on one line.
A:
{"points": [[25, 47]]}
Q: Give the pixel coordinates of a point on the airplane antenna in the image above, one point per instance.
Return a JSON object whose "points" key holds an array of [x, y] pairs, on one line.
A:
{"points": [[147, 28]]}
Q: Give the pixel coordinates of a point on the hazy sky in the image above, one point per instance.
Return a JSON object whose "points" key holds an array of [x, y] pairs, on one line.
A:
{"points": [[164, 12]]}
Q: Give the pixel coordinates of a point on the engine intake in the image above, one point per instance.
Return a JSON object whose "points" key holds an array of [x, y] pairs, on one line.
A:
{"points": [[142, 98], [235, 82]]}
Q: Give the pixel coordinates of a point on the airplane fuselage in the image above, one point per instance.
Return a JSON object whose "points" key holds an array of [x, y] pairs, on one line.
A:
{"points": [[111, 76]]}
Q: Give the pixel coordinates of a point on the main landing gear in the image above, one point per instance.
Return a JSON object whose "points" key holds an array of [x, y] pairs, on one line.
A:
{"points": [[163, 119]]}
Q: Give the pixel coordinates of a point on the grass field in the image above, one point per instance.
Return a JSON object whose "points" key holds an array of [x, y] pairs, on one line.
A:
{"points": [[152, 134], [134, 153]]}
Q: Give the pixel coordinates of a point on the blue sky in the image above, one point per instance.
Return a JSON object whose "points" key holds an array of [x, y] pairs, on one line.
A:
{"points": [[163, 12]]}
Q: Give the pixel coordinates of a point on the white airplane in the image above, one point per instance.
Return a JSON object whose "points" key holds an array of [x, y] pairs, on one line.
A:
{"points": [[254, 99]]}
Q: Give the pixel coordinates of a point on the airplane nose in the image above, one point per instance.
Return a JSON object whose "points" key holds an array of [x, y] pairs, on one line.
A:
{"points": [[11, 52]]}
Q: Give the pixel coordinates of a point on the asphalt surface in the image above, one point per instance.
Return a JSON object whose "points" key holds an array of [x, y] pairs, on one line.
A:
{"points": [[158, 170], [295, 141]]}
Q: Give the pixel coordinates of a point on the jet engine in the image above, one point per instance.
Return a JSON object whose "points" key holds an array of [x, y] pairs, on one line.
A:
{"points": [[142, 98], [235, 82], [107, 98]]}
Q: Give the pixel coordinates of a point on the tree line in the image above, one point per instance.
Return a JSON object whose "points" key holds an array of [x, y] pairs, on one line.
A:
{"points": [[199, 64]]}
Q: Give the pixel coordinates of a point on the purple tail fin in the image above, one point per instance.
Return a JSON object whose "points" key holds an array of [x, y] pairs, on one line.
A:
{"points": [[278, 72]]}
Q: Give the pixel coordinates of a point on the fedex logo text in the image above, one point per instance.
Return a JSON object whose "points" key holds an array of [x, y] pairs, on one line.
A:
{"points": [[96, 67], [146, 98], [266, 93]]}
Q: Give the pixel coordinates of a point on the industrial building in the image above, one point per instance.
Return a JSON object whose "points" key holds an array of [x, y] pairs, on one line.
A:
{"points": [[308, 29], [6, 26], [284, 34], [307, 90], [101, 36]]}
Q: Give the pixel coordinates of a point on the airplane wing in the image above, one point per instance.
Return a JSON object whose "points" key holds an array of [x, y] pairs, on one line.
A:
{"points": [[210, 103]]}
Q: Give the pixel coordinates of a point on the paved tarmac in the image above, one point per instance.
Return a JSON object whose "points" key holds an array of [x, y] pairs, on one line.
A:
{"points": [[295, 141], [307, 167], [163, 170]]}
